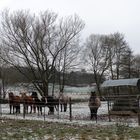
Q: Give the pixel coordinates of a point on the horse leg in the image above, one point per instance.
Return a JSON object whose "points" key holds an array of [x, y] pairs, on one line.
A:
{"points": [[34, 108], [26, 109], [14, 107], [61, 106], [30, 109], [38, 110], [41, 110], [65, 107], [19, 109], [56, 107], [10, 108], [91, 113], [96, 114], [51, 110]]}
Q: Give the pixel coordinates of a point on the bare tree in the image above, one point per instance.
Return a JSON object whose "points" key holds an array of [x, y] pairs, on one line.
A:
{"points": [[120, 47], [127, 62], [68, 59], [136, 66], [35, 42], [109, 41], [3, 78], [98, 56]]}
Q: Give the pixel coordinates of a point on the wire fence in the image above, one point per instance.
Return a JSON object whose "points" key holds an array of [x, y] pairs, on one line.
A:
{"points": [[113, 109]]}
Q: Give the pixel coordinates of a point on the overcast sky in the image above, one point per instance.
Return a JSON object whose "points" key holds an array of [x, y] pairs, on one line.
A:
{"points": [[100, 16]]}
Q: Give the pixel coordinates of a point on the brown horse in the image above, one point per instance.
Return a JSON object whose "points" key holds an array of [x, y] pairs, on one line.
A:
{"points": [[14, 102], [63, 100], [94, 104], [27, 101]]}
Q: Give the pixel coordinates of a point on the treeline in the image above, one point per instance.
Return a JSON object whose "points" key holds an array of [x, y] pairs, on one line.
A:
{"points": [[75, 78]]}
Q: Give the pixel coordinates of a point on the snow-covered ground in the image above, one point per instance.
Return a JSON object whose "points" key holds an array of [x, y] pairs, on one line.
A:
{"points": [[80, 115], [80, 111]]}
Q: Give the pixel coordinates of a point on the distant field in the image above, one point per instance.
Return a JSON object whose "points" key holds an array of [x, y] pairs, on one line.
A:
{"points": [[68, 89]]}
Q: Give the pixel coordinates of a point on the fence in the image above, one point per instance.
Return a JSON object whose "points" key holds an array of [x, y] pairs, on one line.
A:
{"points": [[78, 111], [125, 106], [5, 110]]}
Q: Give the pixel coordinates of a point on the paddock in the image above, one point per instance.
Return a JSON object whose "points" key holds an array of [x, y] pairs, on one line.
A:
{"points": [[77, 112], [80, 114]]}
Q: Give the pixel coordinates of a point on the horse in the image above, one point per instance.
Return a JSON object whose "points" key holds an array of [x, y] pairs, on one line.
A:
{"points": [[94, 104], [14, 102], [51, 103], [56, 103], [39, 102], [27, 101], [63, 100]]}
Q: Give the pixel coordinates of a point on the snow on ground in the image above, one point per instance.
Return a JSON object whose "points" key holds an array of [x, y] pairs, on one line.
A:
{"points": [[80, 111], [80, 115]]}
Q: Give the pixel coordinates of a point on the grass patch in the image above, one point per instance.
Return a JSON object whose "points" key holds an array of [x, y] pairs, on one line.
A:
{"points": [[32, 129]]}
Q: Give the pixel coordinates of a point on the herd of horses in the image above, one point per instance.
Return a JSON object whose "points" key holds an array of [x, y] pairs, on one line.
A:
{"points": [[34, 102]]}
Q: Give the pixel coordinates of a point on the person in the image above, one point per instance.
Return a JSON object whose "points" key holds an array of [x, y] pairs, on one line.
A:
{"points": [[94, 104]]}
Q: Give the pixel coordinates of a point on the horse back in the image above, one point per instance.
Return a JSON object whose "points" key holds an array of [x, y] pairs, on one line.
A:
{"points": [[98, 102], [14, 99], [63, 99], [29, 100], [94, 102], [17, 98]]}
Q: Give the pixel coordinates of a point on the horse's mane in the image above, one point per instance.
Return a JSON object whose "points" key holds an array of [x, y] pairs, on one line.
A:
{"points": [[36, 95]]}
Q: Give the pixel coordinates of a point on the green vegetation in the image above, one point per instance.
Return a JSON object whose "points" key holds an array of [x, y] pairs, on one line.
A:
{"points": [[39, 130]]}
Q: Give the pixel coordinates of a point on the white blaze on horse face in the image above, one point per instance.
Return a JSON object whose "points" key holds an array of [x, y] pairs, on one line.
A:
{"points": [[39, 96], [46, 100]]}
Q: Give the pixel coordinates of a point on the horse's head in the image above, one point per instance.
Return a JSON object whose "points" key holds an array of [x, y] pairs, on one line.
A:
{"points": [[11, 94], [34, 94], [23, 94]]}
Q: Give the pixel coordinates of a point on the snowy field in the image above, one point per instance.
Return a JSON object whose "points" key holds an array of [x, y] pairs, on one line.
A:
{"points": [[80, 111], [80, 115]]}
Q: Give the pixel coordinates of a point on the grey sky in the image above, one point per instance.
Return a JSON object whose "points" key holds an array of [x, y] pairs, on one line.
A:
{"points": [[100, 16]]}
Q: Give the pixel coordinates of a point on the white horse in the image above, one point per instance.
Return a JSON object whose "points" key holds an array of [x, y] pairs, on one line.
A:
{"points": [[63, 100]]}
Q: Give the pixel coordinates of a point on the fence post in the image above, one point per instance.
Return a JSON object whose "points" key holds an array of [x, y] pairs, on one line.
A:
{"points": [[58, 107], [44, 113], [70, 107], [0, 101], [108, 105], [138, 98], [23, 109]]}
